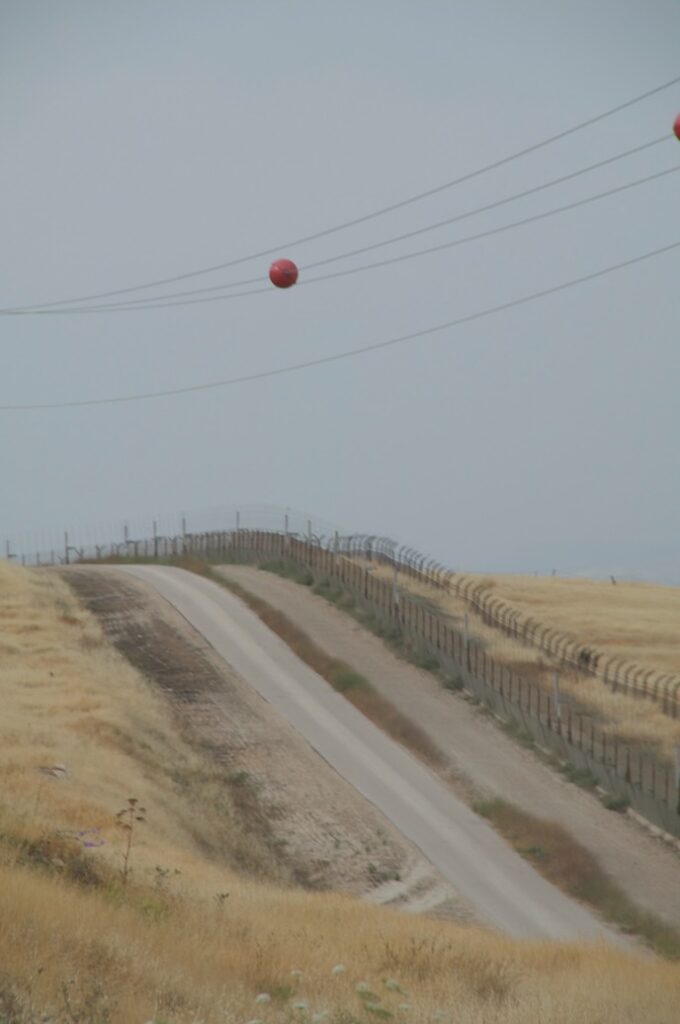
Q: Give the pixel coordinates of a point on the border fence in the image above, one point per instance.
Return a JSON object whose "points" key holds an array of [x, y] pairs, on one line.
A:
{"points": [[629, 772]]}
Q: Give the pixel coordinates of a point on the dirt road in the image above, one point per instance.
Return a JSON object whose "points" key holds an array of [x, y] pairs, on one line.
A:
{"points": [[502, 888], [479, 753]]}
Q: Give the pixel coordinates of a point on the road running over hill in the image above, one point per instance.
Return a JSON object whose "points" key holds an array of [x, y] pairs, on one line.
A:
{"points": [[505, 891]]}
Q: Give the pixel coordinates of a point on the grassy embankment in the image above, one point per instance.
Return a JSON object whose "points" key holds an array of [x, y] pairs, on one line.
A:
{"points": [[80, 734], [635, 621]]}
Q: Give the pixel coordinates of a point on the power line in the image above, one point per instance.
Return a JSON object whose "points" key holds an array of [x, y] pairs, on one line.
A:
{"points": [[151, 301], [351, 353], [325, 232], [133, 307], [498, 203]]}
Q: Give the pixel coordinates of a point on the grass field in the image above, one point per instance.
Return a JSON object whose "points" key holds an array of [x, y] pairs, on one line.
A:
{"points": [[635, 621], [80, 734]]}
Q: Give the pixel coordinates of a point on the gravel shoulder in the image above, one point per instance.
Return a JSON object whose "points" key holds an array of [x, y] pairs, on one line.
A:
{"points": [[482, 759]]}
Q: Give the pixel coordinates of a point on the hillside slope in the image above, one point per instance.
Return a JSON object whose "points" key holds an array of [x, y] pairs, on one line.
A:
{"points": [[81, 733]]}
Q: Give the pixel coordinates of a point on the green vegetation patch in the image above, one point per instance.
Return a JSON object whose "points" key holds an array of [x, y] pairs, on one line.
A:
{"points": [[564, 861]]}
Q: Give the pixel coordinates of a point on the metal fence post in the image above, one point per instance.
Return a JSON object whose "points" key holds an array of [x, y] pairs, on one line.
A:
{"points": [[556, 695]]}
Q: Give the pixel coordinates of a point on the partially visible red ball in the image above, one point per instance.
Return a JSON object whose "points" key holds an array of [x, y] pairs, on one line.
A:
{"points": [[676, 127], [283, 273]]}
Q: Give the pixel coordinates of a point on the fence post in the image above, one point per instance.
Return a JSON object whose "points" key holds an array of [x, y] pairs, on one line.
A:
{"points": [[556, 695], [66, 548], [466, 641]]}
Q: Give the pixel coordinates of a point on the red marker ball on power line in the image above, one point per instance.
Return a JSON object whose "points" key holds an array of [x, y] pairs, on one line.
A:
{"points": [[676, 127], [283, 273]]}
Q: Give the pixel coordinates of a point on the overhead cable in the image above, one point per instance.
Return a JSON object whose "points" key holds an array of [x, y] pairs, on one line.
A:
{"points": [[364, 218], [135, 306], [348, 354]]}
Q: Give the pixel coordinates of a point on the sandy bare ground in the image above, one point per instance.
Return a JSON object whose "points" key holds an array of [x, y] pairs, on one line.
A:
{"points": [[321, 831], [483, 760]]}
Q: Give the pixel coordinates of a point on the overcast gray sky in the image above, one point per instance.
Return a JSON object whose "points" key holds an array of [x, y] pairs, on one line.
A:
{"points": [[149, 138]]}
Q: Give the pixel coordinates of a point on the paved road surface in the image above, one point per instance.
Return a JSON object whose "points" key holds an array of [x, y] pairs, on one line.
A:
{"points": [[505, 891]]}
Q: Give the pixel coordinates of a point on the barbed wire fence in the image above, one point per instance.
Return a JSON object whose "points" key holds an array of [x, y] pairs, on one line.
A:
{"points": [[172, 536], [637, 774]]}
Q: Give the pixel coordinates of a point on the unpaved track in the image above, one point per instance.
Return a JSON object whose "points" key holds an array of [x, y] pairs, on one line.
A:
{"points": [[478, 752], [504, 890]]}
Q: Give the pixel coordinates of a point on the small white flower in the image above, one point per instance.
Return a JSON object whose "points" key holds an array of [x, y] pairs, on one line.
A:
{"points": [[263, 997], [302, 1005], [296, 974], [320, 1017], [392, 985], [339, 969], [363, 986]]}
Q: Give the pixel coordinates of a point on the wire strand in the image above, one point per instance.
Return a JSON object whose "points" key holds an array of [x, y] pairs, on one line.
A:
{"points": [[349, 354], [129, 308], [150, 301], [364, 218]]}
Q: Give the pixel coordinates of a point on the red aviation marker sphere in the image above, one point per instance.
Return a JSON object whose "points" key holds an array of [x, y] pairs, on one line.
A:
{"points": [[676, 127], [283, 273]]}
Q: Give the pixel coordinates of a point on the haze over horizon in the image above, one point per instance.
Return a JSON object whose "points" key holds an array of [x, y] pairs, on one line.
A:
{"points": [[144, 141]]}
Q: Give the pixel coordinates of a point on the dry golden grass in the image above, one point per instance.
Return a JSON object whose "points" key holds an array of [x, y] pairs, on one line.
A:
{"points": [[69, 699], [590, 604], [198, 962], [635, 621], [77, 944]]}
